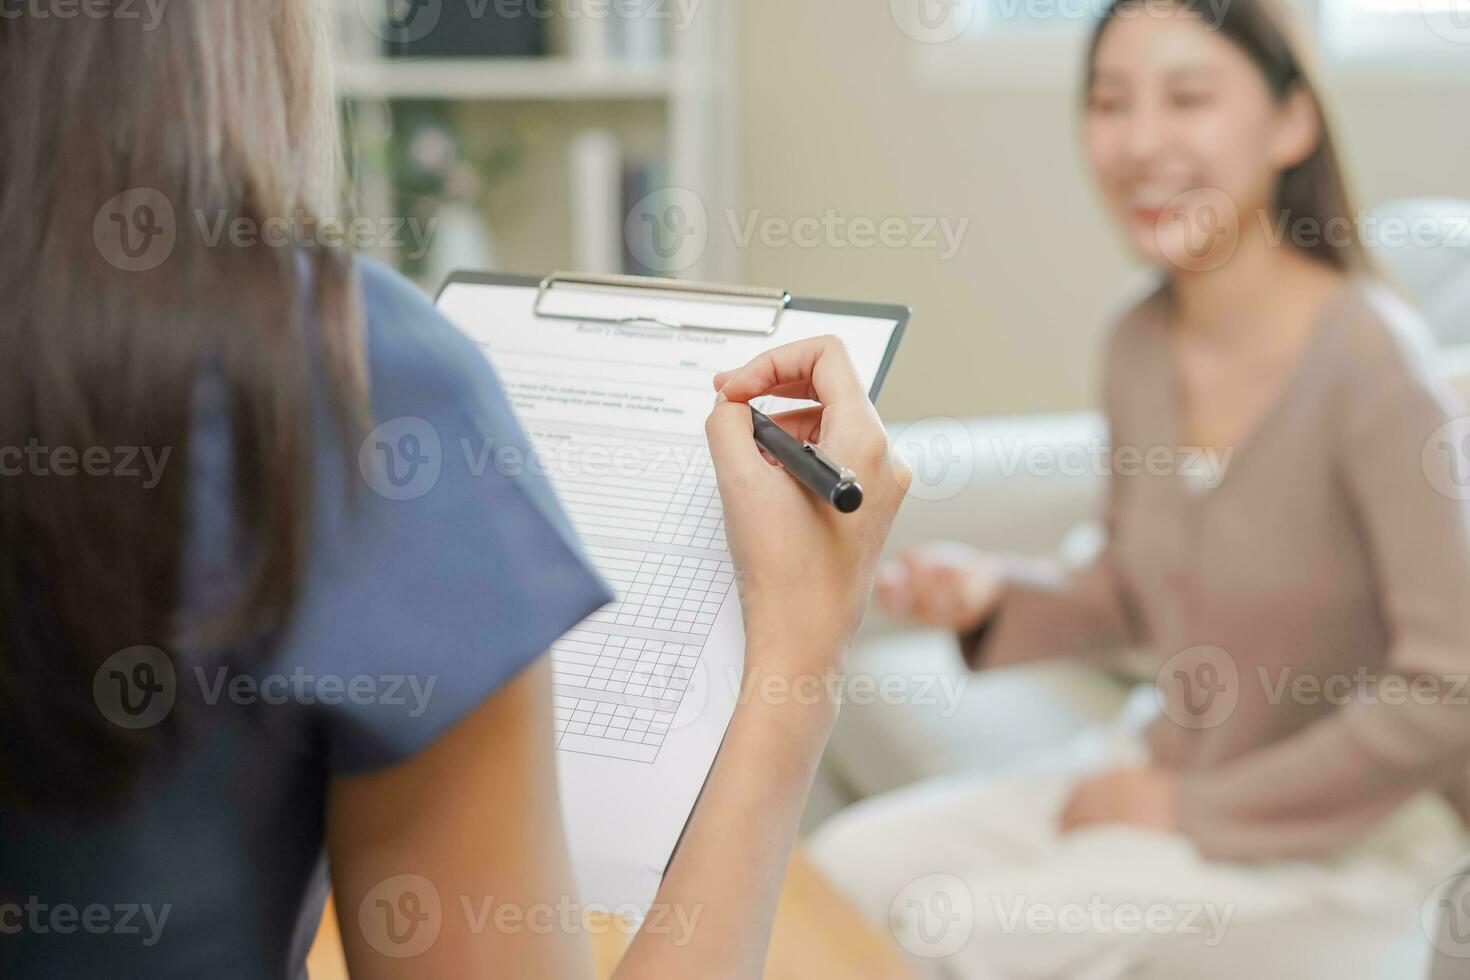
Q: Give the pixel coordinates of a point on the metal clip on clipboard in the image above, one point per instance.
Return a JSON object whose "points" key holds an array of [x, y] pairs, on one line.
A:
{"points": [[670, 303]]}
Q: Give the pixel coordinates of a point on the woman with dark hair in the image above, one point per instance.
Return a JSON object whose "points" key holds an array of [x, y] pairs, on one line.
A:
{"points": [[1291, 563], [185, 745]]}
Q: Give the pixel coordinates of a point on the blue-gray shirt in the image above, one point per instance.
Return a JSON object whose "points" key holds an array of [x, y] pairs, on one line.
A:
{"points": [[426, 590]]}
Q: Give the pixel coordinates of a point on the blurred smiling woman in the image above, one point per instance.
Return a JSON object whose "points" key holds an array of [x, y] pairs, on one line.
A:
{"points": [[1322, 552]]}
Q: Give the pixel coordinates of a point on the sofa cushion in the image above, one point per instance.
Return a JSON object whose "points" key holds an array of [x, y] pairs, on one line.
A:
{"points": [[1318, 944], [938, 718], [1424, 244]]}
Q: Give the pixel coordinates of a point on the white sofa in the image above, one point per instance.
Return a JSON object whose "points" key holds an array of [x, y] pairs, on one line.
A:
{"points": [[1006, 716]]}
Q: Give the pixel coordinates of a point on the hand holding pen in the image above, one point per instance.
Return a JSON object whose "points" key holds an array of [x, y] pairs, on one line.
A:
{"points": [[805, 569]]}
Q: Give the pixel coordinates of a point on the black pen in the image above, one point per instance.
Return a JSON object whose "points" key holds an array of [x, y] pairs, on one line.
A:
{"points": [[826, 477]]}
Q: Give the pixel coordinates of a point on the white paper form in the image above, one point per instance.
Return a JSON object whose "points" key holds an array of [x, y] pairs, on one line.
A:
{"points": [[646, 685]]}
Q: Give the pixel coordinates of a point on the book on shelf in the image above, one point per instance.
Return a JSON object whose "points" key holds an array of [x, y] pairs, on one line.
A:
{"points": [[595, 167], [461, 30], [640, 181]]}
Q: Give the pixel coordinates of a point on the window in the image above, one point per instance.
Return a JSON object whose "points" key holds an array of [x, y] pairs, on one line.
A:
{"points": [[1034, 18], [1397, 33], [1022, 43], [1041, 42]]}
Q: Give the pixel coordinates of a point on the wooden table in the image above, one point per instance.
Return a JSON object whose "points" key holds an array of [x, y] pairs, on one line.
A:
{"points": [[817, 934]]}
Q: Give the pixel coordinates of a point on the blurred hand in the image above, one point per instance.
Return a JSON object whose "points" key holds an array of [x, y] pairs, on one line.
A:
{"points": [[805, 572], [944, 584], [1140, 797]]}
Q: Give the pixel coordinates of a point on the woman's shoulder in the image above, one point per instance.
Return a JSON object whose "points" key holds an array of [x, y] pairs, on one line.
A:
{"points": [[422, 366], [1383, 359], [1382, 366], [409, 342], [427, 377], [1380, 335], [388, 295], [457, 553], [1136, 316]]}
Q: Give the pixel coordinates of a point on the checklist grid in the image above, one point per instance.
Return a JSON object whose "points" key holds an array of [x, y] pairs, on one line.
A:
{"points": [[618, 486], [693, 516], [649, 516], [651, 673], [606, 728], [661, 591]]}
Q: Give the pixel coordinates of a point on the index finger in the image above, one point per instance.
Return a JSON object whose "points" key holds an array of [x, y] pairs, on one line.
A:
{"points": [[817, 368]]}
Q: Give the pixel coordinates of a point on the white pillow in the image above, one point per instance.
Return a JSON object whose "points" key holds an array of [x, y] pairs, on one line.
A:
{"points": [[1424, 245], [1454, 365]]}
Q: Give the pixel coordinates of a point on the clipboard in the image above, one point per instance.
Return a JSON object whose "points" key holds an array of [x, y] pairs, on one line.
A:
{"points": [[627, 802], [645, 293]]}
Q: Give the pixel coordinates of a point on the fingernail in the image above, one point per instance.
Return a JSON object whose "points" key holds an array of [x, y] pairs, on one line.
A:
{"points": [[720, 396]]}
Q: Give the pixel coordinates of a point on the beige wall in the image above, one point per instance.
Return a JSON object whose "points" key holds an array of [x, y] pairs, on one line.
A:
{"points": [[832, 113]]}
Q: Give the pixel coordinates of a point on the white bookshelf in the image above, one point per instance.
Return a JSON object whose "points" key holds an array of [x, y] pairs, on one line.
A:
{"points": [[551, 79], [680, 105]]}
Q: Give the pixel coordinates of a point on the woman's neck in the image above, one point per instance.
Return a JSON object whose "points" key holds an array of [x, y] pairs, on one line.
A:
{"points": [[1261, 290]]}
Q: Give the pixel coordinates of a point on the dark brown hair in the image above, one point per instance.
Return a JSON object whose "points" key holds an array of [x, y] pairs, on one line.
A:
{"points": [[1316, 190], [218, 108]]}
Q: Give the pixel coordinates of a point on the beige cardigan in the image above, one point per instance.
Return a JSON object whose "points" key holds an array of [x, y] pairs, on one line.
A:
{"points": [[1325, 559]]}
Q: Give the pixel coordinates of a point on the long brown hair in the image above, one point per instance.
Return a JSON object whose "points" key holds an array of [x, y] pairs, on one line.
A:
{"points": [[216, 109], [1317, 190]]}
